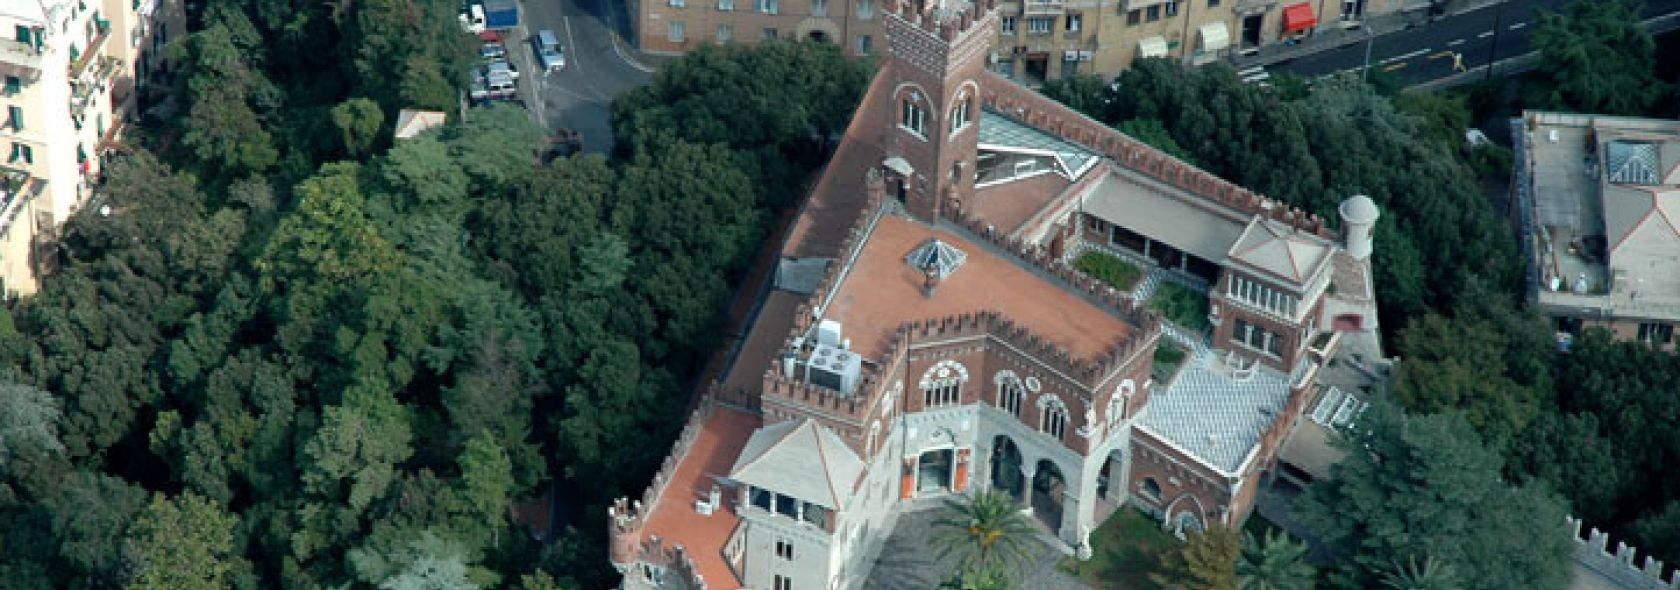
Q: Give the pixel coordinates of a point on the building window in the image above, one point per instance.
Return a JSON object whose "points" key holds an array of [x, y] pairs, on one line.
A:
{"points": [[769, 6], [25, 36], [1213, 3], [1261, 296], [679, 3], [865, 9], [1172, 8], [1040, 25], [725, 33], [1053, 420], [14, 85], [1009, 396], [770, 34], [761, 498], [944, 393], [1152, 13], [726, 5], [1070, 65], [1151, 489], [674, 31], [959, 113], [784, 549], [912, 116], [1007, 25], [787, 506], [942, 383], [815, 515], [865, 44], [1133, 17], [1353, 9], [1656, 333], [1074, 21], [819, 7], [22, 153], [783, 583]]}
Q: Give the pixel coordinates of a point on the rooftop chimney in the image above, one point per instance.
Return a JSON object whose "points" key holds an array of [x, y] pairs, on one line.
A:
{"points": [[930, 280]]}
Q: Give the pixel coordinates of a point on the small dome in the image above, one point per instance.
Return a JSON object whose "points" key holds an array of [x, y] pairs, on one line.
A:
{"points": [[1359, 209]]}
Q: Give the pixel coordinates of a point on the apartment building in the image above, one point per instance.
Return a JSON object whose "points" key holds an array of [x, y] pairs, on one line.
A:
{"points": [[926, 337], [1037, 40], [1598, 202], [72, 72]]}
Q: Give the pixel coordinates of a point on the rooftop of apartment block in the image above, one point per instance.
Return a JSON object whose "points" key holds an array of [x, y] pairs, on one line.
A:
{"points": [[1606, 211]]}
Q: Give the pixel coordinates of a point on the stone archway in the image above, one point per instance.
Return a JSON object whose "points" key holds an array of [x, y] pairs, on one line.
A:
{"points": [[934, 471], [1049, 491], [1006, 467]]}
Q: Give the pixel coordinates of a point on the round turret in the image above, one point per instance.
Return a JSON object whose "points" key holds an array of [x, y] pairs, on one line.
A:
{"points": [[1359, 218]]}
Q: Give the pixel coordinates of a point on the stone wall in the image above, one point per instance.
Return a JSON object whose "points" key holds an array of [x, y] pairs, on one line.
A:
{"points": [[1593, 552]]}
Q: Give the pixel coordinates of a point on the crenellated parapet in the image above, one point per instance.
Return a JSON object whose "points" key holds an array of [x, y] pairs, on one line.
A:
{"points": [[779, 387], [1088, 371], [628, 517], [674, 560], [947, 19], [1036, 110], [1593, 551]]}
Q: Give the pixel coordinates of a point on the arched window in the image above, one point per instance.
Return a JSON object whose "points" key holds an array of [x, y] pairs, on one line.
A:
{"points": [[1010, 392], [1052, 417], [960, 111], [913, 115], [1118, 403], [942, 384], [874, 436], [1151, 489]]}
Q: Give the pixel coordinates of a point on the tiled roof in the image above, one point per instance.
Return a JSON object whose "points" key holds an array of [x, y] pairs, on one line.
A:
{"points": [[1002, 133], [1200, 227], [1280, 250], [839, 196], [1210, 413], [674, 519], [880, 292], [801, 459], [1009, 205]]}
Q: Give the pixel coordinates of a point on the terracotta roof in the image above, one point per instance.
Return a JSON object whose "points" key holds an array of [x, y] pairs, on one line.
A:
{"points": [[839, 196], [769, 330], [674, 519], [881, 292], [1009, 205]]}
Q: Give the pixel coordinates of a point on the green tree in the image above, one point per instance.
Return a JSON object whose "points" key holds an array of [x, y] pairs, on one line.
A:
{"points": [[1595, 57], [359, 122], [1207, 561], [1429, 574], [1274, 563], [28, 418], [183, 543], [985, 530], [90, 515], [1426, 485], [354, 454]]}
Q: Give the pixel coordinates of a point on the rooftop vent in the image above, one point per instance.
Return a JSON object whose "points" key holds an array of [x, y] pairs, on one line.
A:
{"points": [[834, 368], [937, 258], [1631, 162]]}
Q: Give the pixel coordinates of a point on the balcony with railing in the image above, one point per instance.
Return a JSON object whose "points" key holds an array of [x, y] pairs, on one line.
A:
{"points": [[17, 189], [80, 59], [1045, 7], [20, 57], [93, 82]]}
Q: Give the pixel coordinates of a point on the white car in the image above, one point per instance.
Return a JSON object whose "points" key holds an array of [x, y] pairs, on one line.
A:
{"points": [[472, 21], [551, 56], [501, 67]]}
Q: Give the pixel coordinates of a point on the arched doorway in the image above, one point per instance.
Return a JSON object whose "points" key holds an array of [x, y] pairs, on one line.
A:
{"points": [[819, 36], [1049, 488], [933, 471], [1006, 467]]}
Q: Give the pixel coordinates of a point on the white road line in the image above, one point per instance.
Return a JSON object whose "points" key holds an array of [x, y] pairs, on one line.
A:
{"points": [[1455, 42], [1484, 35], [571, 45], [1405, 56], [1518, 26], [1253, 70]]}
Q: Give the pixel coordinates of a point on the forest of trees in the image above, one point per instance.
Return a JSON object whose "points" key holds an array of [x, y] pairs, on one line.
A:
{"points": [[285, 352]]}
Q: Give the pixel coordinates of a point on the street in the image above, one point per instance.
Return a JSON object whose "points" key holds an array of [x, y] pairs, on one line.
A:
{"points": [[1425, 52], [578, 97]]}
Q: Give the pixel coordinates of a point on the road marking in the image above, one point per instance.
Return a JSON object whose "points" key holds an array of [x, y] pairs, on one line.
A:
{"points": [[1259, 77], [1249, 71], [1441, 54], [1455, 42], [571, 40], [1390, 68], [1405, 56], [1484, 35], [1518, 26]]}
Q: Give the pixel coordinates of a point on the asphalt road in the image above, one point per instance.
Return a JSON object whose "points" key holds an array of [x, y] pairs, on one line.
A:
{"points": [[1426, 52], [598, 68]]}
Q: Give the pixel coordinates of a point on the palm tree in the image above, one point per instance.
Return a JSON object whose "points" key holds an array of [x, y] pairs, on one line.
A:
{"points": [[980, 579], [1277, 563], [1432, 574], [986, 530]]}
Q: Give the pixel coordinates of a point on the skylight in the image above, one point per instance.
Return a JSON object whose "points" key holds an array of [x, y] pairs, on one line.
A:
{"points": [[1631, 162], [937, 255]]}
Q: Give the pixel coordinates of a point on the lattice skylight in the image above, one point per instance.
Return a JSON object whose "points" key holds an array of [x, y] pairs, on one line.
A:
{"points": [[938, 255], [1632, 162]]}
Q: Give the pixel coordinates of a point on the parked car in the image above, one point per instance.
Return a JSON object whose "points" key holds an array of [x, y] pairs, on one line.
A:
{"points": [[492, 51], [551, 56], [495, 87], [501, 67], [472, 20]]}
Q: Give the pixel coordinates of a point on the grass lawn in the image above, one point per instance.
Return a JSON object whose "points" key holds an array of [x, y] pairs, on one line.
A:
{"points": [[1124, 551], [1167, 359], [1182, 305], [1107, 268]]}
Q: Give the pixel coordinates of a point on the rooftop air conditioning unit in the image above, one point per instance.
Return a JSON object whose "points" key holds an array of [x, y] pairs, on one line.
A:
{"points": [[835, 369], [828, 333]]}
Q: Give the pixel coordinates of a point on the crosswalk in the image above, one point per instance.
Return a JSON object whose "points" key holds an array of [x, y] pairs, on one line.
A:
{"points": [[1255, 75]]}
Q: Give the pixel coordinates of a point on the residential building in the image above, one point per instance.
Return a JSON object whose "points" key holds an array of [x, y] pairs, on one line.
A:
{"points": [[73, 71], [1598, 210], [926, 335], [1037, 40]]}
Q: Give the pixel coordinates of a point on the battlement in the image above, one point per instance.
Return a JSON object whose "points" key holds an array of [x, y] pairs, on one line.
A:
{"points": [[1593, 552], [1031, 108], [1089, 372], [778, 385], [946, 19], [627, 516], [674, 559]]}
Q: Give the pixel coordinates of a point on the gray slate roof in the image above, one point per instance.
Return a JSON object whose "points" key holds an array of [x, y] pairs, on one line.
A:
{"points": [[1164, 218], [1216, 418], [1280, 250], [1001, 132], [802, 459]]}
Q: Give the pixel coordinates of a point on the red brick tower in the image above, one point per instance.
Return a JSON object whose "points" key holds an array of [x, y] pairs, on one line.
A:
{"points": [[936, 55]]}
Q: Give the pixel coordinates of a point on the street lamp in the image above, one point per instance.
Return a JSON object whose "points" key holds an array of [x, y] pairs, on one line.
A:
{"points": [[1365, 72]]}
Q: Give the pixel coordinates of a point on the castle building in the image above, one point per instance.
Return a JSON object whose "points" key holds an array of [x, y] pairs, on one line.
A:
{"points": [[1598, 202], [73, 71], [1035, 40], [926, 335]]}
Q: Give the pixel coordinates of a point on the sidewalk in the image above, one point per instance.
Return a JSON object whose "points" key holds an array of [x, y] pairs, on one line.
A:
{"points": [[1331, 35]]}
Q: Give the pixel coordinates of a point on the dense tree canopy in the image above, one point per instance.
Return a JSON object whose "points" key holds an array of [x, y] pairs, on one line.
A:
{"points": [[1595, 57]]}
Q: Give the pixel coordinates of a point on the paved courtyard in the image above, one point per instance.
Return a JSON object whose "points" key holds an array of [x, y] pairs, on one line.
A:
{"points": [[908, 561]]}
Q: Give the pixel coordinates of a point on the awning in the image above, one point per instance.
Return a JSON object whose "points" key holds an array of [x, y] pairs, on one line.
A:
{"points": [[1152, 47], [1137, 4], [1215, 36], [899, 166], [1297, 18]]}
